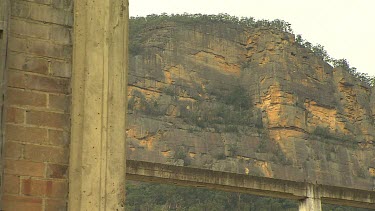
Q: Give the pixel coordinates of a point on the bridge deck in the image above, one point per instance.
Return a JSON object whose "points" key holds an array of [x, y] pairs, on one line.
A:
{"points": [[225, 181]]}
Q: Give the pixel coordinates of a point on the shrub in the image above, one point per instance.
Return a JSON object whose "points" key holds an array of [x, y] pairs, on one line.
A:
{"points": [[262, 147], [326, 134], [323, 132], [279, 157], [320, 52], [238, 98], [169, 90], [220, 156], [362, 173], [137, 25], [232, 149], [180, 154], [231, 129]]}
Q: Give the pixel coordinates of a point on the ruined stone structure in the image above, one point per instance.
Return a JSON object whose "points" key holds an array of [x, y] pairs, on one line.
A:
{"points": [[63, 116]]}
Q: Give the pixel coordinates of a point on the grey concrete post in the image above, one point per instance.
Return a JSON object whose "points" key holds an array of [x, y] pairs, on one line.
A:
{"points": [[312, 202], [99, 81]]}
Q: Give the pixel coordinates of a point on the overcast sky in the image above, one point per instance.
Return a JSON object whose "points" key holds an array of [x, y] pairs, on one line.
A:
{"points": [[346, 28]]}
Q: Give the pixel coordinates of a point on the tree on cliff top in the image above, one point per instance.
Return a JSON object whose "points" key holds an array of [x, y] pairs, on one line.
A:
{"points": [[137, 24]]}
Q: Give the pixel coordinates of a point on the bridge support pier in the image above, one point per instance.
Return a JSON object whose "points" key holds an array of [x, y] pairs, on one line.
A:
{"points": [[97, 150], [313, 201]]}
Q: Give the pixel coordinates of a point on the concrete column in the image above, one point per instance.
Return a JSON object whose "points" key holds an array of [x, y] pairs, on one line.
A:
{"points": [[313, 201], [99, 80]]}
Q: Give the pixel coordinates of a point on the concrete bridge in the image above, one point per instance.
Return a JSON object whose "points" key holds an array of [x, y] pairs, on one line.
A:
{"points": [[310, 196], [43, 67]]}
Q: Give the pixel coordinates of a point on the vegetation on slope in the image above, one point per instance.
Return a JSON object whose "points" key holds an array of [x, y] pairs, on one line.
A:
{"points": [[137, 24]]}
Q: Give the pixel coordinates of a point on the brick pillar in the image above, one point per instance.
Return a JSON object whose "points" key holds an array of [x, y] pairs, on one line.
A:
{"points": [[313, 201], [4, 17], [36, 150], [97, 158]]}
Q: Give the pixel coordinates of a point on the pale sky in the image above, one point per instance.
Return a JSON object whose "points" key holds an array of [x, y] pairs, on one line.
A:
{"points": [[346, 28]]}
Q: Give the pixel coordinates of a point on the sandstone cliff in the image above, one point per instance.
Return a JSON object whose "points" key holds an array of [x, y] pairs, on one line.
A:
{"points": [[247, 100]]}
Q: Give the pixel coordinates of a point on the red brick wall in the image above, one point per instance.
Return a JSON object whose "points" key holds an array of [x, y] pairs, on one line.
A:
{"points": [[37, 99]]}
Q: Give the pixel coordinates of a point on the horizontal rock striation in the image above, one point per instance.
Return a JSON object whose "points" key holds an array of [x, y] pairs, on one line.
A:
{"points": [[249, 101]]}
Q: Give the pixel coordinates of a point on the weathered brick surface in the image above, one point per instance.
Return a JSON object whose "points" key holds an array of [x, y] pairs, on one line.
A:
{"points": [[48, 49], [42, 13], [46, 154], [46, 119], [57, 171], [24, 168], [55, 205], [48, 188], [61, 35], [24, 80], [37, 100], [20, 97], [29, 28], [61, 69], [15, 115], [13, 184], [58, 138], [17, 44], [25, 62], [13, 150], [20, 133], [18, 203], [58, 102]]}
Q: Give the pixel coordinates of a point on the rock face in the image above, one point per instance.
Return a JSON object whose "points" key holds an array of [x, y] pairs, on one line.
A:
{"points": [[250, 101]]}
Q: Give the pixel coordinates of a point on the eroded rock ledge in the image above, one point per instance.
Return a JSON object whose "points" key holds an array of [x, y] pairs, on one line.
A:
{"points": [[248, 101]]}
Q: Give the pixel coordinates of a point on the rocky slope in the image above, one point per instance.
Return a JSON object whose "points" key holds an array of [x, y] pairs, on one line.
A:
{"points": [[247, 100]]}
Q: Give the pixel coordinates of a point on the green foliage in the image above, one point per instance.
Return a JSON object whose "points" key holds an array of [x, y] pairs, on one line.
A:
{"points": [[131, 103], [136, 23], [320, 52], [299, 39], [325, 133], [238, 98], [233, 110], [331, 207], [259, 122], [362, 172], [140, 25], [169, 90], [279, 157], [191, 130], [245, 65], [230, 129], [267, 145], [135, 48], [192, 117], [181, 154], [232, 149], [149, 107], [220, 156], [262, 146]]}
